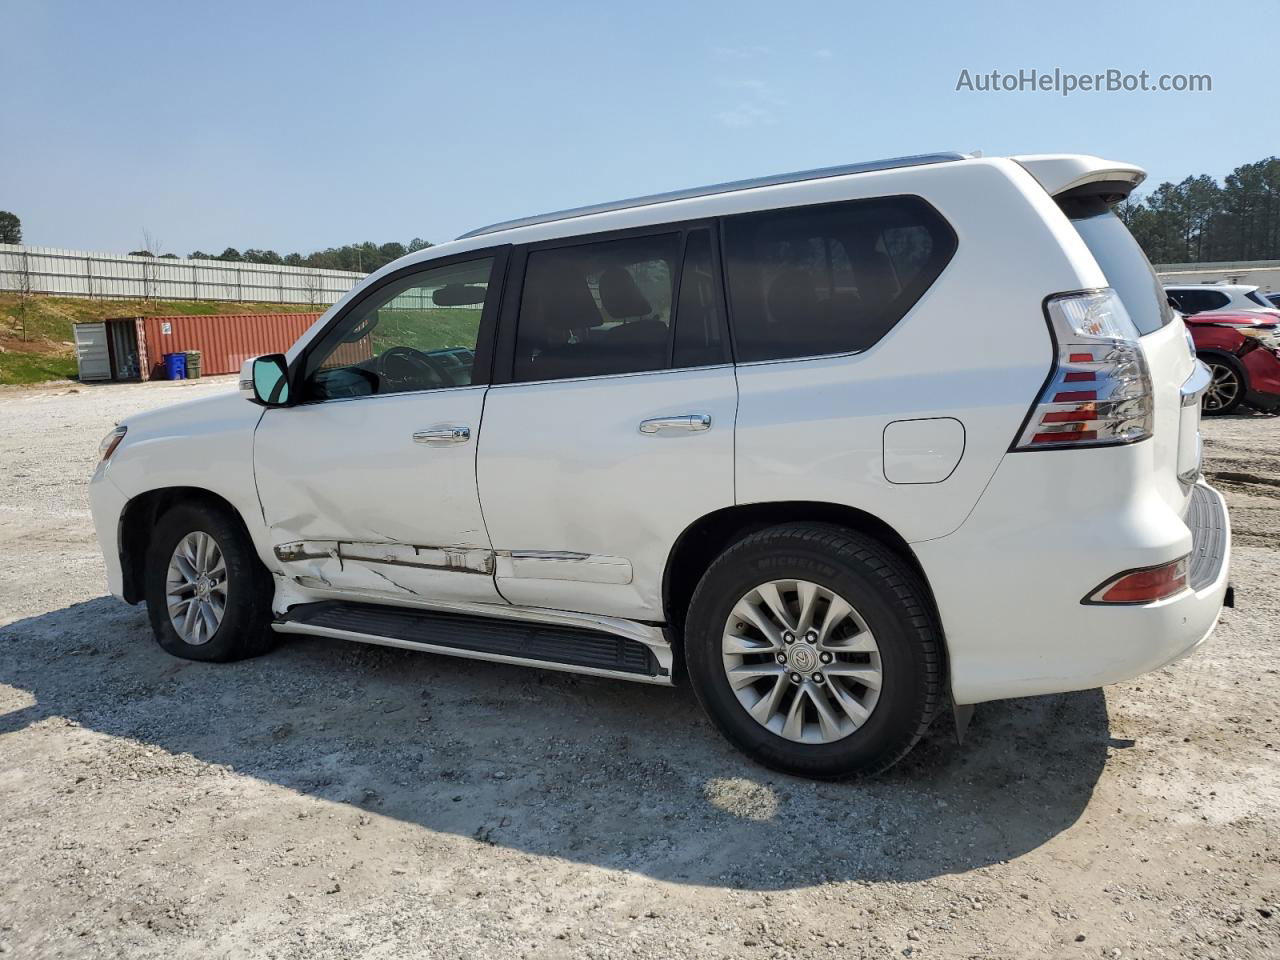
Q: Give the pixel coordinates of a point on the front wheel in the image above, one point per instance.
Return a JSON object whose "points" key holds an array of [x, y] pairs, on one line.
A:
{"points": [[812, 649], [208, 595]]}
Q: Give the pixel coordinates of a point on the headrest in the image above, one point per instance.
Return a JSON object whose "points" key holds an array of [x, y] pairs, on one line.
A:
{"points": [[620, 296], [564, 300]]}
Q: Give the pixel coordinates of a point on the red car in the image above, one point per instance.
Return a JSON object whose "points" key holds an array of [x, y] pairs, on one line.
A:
{"points": [[1243, 351]]}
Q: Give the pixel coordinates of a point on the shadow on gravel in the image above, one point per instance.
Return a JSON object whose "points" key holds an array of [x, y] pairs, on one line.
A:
{"points": [[623, 776]]}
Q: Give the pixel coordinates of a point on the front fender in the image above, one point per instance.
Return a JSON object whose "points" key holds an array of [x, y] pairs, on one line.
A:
{"points": [[207, 446]]}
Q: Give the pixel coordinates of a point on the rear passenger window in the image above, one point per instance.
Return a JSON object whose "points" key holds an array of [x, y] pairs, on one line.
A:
{"points": [[597, 308], [1197, 301], [833, 278]]}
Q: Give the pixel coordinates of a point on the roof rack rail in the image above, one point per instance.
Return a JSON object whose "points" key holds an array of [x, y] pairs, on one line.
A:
{"points": [[734, 185]]}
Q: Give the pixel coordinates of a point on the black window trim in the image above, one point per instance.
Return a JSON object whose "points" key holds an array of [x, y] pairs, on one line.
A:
{"points": [[482, 367], [505, 349]]}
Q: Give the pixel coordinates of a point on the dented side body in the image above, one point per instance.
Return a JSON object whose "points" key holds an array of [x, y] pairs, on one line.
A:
{"points": [[379, 567], [386, 516]]}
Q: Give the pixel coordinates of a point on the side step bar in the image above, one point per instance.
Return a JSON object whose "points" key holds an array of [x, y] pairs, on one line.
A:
{"points": [[552, 646]]}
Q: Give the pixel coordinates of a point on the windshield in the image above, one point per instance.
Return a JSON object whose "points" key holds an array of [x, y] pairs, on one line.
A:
{"points": [[1127, 269], [1257, 298]]}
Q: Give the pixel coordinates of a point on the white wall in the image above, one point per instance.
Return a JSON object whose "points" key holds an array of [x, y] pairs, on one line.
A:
{"points": [[79, 273]]}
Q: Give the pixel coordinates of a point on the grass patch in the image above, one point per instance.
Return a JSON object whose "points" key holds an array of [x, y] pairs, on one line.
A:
{"points": [[36, 367]]}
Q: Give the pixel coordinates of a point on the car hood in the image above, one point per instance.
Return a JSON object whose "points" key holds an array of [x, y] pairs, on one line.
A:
{"points": [[225, 411]]}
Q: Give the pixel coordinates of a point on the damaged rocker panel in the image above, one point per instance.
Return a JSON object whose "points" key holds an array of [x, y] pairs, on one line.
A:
{"points": [[506, 564], [455, 559]]}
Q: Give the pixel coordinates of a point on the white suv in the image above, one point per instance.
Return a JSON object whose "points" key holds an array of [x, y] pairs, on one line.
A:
{"points": [[1220, 298], [833, 447]]}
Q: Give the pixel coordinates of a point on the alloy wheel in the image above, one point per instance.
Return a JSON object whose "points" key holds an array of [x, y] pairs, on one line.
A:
{"points": [[1223, 389], [802, 661], [196, 587]]}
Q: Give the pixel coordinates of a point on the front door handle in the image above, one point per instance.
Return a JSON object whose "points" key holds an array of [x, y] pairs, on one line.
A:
{"points": [[442, 435], [687, 423]]}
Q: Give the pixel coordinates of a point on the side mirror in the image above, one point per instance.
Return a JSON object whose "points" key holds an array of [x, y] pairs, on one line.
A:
{"points": [[265, 380]]}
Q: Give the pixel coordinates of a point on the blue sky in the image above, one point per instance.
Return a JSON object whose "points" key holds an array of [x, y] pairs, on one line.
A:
{"points": [[299, 126]]}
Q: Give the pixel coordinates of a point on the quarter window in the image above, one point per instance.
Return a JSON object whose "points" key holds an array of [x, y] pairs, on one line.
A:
{"points": [[418, 333], [832, 278], [597, 308]]}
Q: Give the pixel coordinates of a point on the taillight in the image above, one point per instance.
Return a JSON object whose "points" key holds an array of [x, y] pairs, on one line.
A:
{"points": [[1143, 586], [1100, 389]]}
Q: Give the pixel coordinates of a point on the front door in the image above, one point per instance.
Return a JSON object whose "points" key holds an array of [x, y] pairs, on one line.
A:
{"points": [[368, 483], [615, 429]]}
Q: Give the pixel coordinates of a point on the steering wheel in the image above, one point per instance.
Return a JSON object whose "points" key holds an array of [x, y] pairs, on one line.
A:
{"points": [[407, 365]]}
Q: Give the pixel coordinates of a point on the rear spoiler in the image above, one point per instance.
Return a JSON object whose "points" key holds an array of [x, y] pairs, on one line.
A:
{"points": [[1081, 184], [1060, 172]]}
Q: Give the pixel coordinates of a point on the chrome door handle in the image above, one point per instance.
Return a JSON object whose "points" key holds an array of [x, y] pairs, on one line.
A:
{"points": [[443, 434], [688, 423]]}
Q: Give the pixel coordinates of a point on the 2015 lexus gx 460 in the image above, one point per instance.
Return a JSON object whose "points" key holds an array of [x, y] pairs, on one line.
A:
{"points": [[834, 446]]}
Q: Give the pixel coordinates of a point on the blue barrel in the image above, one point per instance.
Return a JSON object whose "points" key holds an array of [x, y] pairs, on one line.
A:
{"points": [[175, 366]]}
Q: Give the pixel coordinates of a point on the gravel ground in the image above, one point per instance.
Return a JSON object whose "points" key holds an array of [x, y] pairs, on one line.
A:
{"points": [[335, 800]]}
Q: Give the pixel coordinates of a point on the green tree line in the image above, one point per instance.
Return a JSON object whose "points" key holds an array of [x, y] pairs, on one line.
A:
{"points": [[1200, 220], [361, 257]]}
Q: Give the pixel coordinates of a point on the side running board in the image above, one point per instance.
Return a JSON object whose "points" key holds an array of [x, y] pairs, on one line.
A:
{"points": [[552, 646]]}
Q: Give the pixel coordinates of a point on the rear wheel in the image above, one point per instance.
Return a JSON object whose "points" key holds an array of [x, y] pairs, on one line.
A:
{"points": [[1227, 388], [812, 649], [208, 595]]}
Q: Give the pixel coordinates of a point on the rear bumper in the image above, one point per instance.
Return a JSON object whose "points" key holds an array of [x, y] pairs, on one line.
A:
{"points": [[1008, 586]]}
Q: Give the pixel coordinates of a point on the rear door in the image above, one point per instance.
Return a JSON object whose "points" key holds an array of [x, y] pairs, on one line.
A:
{"points": [[613, 429]]}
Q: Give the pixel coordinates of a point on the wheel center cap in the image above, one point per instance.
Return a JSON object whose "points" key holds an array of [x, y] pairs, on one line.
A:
{"points": [[802, 657], [202, 588]]}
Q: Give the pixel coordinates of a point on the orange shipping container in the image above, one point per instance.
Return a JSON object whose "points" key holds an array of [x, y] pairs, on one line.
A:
{"points": [[225, 341]]}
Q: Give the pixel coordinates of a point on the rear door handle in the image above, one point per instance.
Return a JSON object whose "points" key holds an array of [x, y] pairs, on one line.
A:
{"points": [[686, 423], [442, 435]]}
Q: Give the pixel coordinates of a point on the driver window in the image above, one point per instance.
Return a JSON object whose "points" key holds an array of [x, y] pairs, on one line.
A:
{"points": [[419, 333]]}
